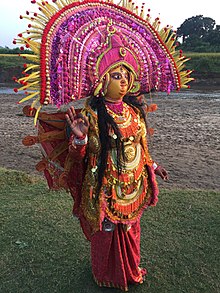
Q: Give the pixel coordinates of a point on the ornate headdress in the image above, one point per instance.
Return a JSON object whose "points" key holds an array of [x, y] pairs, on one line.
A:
{"points": [[76, 43]]}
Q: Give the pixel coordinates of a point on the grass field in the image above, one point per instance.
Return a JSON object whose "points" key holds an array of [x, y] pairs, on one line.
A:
{"points": [[8, 61], [43, 249], [204, 62]]}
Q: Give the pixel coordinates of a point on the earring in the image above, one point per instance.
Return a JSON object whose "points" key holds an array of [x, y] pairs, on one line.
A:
{"points": [[135, 88]]}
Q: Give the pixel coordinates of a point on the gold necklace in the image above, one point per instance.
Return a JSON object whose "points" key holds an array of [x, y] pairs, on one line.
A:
{"points": [[119, 117]]}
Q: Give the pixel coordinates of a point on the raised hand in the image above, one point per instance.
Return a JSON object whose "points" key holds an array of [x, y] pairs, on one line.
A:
{"points": [[78, 123]]}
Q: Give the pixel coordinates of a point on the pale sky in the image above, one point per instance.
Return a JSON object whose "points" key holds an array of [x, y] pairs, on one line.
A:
{"points": [[170, 12]]}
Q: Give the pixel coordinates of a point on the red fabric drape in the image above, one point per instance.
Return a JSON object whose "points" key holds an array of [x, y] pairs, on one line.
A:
{"points": [[116, 257]]}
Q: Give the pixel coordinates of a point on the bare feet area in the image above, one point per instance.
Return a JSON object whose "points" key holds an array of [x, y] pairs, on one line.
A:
{"points": [[186, 139]]}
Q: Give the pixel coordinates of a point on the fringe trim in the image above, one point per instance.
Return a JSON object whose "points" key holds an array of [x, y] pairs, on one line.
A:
{"points": [[110, 285]]}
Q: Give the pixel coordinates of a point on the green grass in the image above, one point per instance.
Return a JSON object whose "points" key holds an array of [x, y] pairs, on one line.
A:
{"points": [[207, 54], [204, 63], [43, 249], [8, 61]]}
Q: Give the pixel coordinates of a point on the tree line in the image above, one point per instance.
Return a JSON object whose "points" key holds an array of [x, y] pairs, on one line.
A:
{"points": [[7, 50], [199, 34]]}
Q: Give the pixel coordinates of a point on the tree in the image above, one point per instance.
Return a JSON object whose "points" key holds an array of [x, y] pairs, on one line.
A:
{"points": [[213, 37], [196, 26], [199, 34]]}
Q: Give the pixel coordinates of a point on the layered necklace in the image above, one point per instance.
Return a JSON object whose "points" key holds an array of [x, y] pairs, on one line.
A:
{"points": [[125, 117], [119, 111]]}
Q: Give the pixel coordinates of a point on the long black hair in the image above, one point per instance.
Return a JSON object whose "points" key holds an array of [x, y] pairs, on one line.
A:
{"points": [[105, 121]]}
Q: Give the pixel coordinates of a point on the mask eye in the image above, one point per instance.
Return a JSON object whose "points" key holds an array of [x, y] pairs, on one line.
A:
{"points": [[126, 76], [116, 75]]}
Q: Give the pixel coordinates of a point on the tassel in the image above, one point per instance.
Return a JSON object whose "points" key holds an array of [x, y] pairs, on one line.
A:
{"points": [[30, 57], [28, 85], [58, 5], [31, 76], [35, 102], [164, 32], [142, 11]]}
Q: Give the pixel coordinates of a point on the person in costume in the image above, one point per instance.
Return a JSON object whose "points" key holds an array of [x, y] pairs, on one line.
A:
{"points": [[111, 55], [119, 181]]}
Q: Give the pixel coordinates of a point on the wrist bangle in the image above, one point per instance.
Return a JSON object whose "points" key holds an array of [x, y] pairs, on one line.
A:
{"points": [[81, 137], [155, 166], [158, 167], [80, 141]]}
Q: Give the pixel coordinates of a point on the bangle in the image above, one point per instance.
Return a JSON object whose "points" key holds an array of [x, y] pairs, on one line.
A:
{"points": [[81, 137], [155, 166], [158, 167], [81, 140]]}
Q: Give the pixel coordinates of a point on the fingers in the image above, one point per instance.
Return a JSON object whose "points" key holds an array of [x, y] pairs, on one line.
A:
{"points": [[68, 119], [86, 121], [80, 117], [78, 123], [164, 175], [70, 115]]}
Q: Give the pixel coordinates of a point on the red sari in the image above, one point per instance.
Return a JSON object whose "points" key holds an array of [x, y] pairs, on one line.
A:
{"points": [[116, 257]]}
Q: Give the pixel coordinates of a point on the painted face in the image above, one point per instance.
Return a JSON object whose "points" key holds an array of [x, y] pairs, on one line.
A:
{"points": [[118, 85]]}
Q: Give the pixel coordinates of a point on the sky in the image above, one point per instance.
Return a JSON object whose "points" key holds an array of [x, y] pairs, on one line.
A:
{"points": [[170, 12]]}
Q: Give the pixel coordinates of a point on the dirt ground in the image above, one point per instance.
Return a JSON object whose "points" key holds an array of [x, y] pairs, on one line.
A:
{"points": [[186, 139]]}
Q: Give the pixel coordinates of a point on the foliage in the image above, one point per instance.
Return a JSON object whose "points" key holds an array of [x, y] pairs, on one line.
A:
{"points": [[199, 34], [43, 249], [7, 50], [205, 63], [213, 38], [196, 26]]}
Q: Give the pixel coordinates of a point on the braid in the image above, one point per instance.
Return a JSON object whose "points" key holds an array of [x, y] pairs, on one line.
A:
{"points": [[104, 122]]}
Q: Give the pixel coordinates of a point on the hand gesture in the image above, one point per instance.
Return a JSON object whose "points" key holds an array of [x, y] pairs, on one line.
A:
{"points": [[78, 123], [162, 173]]}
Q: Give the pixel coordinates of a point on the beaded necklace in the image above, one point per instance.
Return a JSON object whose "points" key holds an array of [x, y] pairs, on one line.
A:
{"points": [[127, 121], [117, 108], [120, 111]]}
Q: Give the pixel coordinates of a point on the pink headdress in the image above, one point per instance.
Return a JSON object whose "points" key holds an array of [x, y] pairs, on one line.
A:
{"points": [[113, 52], [76, 43], [116, 54]]}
